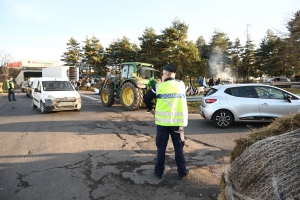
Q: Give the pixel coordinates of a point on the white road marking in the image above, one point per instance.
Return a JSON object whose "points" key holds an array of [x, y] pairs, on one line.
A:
{"points": [[92, 98]]}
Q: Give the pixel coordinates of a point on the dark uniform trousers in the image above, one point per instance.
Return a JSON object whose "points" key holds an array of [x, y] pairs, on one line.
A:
{"points": [[11, 94], [162, 137]]}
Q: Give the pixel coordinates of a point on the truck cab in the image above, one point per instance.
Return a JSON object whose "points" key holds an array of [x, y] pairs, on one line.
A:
{"points": [[54, 94]]}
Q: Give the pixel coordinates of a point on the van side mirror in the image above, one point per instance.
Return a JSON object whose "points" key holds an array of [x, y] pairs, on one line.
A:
{"points": [[36, 90]]}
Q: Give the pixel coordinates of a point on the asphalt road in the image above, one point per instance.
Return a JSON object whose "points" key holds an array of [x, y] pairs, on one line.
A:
{"points": [[103, 153]]}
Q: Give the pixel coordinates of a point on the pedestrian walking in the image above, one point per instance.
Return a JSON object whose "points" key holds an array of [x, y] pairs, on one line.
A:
{"points": [[171, 115], [11, 87]]}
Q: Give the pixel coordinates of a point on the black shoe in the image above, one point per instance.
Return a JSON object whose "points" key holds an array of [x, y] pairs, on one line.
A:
{"points": [[184, 176], [158, 176]]}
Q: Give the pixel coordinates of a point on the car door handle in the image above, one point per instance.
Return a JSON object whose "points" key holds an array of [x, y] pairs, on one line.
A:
{"points": [[264, 104]]}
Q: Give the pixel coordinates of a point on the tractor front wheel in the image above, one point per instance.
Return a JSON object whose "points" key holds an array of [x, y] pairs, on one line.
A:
{"points": [[107, 96], [131, 96]]}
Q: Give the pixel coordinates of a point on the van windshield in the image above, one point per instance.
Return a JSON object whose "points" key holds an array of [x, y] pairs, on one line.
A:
{"points": [[57, 86]]}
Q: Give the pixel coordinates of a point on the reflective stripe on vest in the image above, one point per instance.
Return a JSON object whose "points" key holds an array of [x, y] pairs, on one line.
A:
{"points": [[171, 106]]}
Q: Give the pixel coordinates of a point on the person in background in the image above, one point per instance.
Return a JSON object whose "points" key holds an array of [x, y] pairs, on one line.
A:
{"points": [[211, 82], [171, 115], [200, 82], [78, 84], [92, 81], [204, 82], [88, 85], [218, 82], [61, 85], [11, 87]]}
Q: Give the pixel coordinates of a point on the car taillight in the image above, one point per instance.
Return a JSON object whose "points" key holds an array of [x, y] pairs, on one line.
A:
{"points": [[210, 100]]}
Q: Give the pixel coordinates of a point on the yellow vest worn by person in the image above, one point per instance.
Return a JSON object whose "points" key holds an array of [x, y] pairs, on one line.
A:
{"points": [[171, 106], [10, 83]]}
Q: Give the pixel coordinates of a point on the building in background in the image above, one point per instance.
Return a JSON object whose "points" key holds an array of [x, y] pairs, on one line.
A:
{"points": [[30, 68]]}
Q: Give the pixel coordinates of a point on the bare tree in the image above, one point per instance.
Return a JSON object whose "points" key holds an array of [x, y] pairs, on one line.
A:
{"points": [[5, 58]]}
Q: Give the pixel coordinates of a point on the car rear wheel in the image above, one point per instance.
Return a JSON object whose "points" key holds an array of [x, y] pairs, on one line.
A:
{"points": [[223, 119]]}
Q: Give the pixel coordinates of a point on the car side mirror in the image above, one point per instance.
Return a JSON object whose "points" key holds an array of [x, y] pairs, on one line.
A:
{"points": [[36, 90], [289, 98]]}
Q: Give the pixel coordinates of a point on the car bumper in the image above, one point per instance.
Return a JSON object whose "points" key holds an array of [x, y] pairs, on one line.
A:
{"points": [[62, 104], [205, 113]]}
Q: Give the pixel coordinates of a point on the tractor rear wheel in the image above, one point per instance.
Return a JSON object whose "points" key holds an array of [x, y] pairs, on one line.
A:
{"points": [[107, 96], [131, 96]]}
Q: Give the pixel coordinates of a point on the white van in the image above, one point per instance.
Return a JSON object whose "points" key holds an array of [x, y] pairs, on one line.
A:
{"points": [[54, 94]]}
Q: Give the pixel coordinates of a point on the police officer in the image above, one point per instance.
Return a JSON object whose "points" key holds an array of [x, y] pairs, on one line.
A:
{"points": [[171, 115], [10, 87]]}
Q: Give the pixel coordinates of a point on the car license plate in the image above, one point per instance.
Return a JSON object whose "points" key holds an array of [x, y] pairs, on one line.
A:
{"points": [[66, 103]]}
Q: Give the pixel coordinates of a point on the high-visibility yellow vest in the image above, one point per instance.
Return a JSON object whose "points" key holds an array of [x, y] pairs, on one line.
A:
{"points": [[9, 82], [171, 105]]}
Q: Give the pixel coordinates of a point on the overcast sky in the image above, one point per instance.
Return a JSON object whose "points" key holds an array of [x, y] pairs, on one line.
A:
{"points": [[39, 30]]}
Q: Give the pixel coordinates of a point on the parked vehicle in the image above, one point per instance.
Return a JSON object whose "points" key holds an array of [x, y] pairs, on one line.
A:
{"points": [[226, 104], [28, 89], [278, 79], [24, 85], [54, 94], [226, 82], [281, 81]]}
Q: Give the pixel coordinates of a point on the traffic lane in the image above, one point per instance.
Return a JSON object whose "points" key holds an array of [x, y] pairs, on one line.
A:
{"points": [[93, 155], [95, 152], [198, 129], [205, 132]]}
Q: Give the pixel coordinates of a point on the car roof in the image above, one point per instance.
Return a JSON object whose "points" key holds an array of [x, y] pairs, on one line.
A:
{"points": [[239, 85]]}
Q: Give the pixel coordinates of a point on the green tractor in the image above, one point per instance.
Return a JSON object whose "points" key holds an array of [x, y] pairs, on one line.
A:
{"points": [[128, 83]]}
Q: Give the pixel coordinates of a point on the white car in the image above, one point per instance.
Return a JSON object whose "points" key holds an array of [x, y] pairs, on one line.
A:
{"points": [[225, 104], [54, 94]]}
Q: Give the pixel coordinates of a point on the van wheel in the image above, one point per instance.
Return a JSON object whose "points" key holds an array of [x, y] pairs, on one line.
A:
{"points": [[42, 108], [33, 105], [223, 119]]}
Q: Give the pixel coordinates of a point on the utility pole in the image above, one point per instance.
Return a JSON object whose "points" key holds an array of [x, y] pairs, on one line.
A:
{"points": [[247, 55]]}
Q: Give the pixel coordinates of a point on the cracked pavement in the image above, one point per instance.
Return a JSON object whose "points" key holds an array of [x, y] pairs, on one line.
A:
{"points": [[98, 153]]}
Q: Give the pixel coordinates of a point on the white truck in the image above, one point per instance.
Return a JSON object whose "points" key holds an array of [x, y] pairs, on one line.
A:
{"points": [[65, 72]]}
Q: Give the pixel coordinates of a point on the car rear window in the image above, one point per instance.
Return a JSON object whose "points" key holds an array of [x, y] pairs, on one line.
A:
{"points": [[211, 91], [247, 92]]}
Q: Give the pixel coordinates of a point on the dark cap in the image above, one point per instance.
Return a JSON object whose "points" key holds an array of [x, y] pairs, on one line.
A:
{"points": [[170, 68]]}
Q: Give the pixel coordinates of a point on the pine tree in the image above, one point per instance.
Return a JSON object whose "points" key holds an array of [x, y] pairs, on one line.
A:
{"points": [[236, 53], [248, 59], [93, 53], [149, 49], [121, 50], [73, 56], [293, 42]]}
